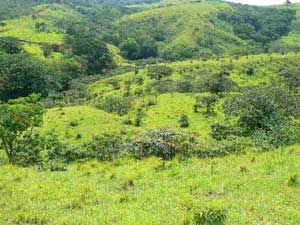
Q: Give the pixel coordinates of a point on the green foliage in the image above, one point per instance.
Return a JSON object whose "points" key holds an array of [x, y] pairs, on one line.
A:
{"points": [[41, 27], [263, 107], [22, 75], [230, 145], [10, 45], [62, 153], [18, 118], [211, 217], [105, 147], [138, 117], [91, 48], [184, 121], [15, 8], [116, 104], [293, 181], [260, 25], [130, 48], [158, 72], [215, 83], [221, 131], [163, 143], [206, 101]]}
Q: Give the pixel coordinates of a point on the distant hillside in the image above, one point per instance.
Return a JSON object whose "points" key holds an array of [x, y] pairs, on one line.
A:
{"points": [[207, 29]]}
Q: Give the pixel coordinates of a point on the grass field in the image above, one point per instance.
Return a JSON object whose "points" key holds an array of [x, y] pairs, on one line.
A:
{"points": [[254, 189]]}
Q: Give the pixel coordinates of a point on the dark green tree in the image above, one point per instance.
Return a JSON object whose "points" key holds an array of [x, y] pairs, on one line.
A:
{"points": [[158, 72], [22, 75], [10, 45], [184, 121], [91, 48], [130, 48]]}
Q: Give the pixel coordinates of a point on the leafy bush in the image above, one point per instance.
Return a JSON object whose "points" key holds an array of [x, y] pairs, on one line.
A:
{"points": [[22, 75], [215, 83], [28, 149], [90, 47], [105, 147], [184, 121], [11, 45], [231, 145], [262, 107], [158, 72], [163, 143], [114, 103], [210, 217], [17, 121], [206, 101], [223, 131]]}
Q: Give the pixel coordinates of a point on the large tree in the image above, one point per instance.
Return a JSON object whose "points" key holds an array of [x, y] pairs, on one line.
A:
{"points": [[22, 75], [91, 48], [17, 119]]}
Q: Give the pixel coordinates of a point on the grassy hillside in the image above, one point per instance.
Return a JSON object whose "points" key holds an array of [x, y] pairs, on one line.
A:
{"points": [[162, 103], [151, 112], [209, 29], [39, 27], [253, 189]]}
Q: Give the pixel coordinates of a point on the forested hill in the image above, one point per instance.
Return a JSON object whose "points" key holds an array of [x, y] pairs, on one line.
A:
{"points": [[172, 30]]}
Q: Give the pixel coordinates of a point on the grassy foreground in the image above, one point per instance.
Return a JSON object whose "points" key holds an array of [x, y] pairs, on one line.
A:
{"points": [[257, 188]]}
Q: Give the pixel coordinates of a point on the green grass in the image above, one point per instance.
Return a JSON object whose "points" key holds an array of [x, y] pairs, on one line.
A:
{"points": [[185, 24], [91, 122], [252, 188], [24, 28], [169, 107]]}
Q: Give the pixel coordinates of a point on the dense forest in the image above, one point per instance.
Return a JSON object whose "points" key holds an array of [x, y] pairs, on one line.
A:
{"points": [[149, 112]]}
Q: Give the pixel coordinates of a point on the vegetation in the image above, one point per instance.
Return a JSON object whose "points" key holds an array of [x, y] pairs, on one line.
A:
{"points": [[149, 112]]}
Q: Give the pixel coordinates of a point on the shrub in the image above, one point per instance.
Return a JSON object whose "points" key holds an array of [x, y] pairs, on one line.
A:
{"points": [[163, 143], [210, 217], [215, 83], [115, 82], [114, 103], [105, 147], [138, 117], [262, 107], [206, 101], [63, 152], [232, 145], [223, 131], [28, 149], [158, 72], [293, 181], [10, 45], [17, 121], [184, 121]]}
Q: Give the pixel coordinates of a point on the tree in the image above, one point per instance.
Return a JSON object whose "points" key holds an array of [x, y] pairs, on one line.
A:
{"points": [[163, 142], [10, 45], [184, 121], [206, 101], [17, 120], [90, 47], [130, 48], [263, 107], [215, 83], [158, 72], [22, 75]]}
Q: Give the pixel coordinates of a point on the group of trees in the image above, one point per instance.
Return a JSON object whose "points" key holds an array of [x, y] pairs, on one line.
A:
{"points": [[259, 25]]}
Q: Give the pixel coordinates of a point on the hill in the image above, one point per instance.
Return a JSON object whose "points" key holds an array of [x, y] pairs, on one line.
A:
{"points": [[164, 101], [149, 112], [193, 30]]}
